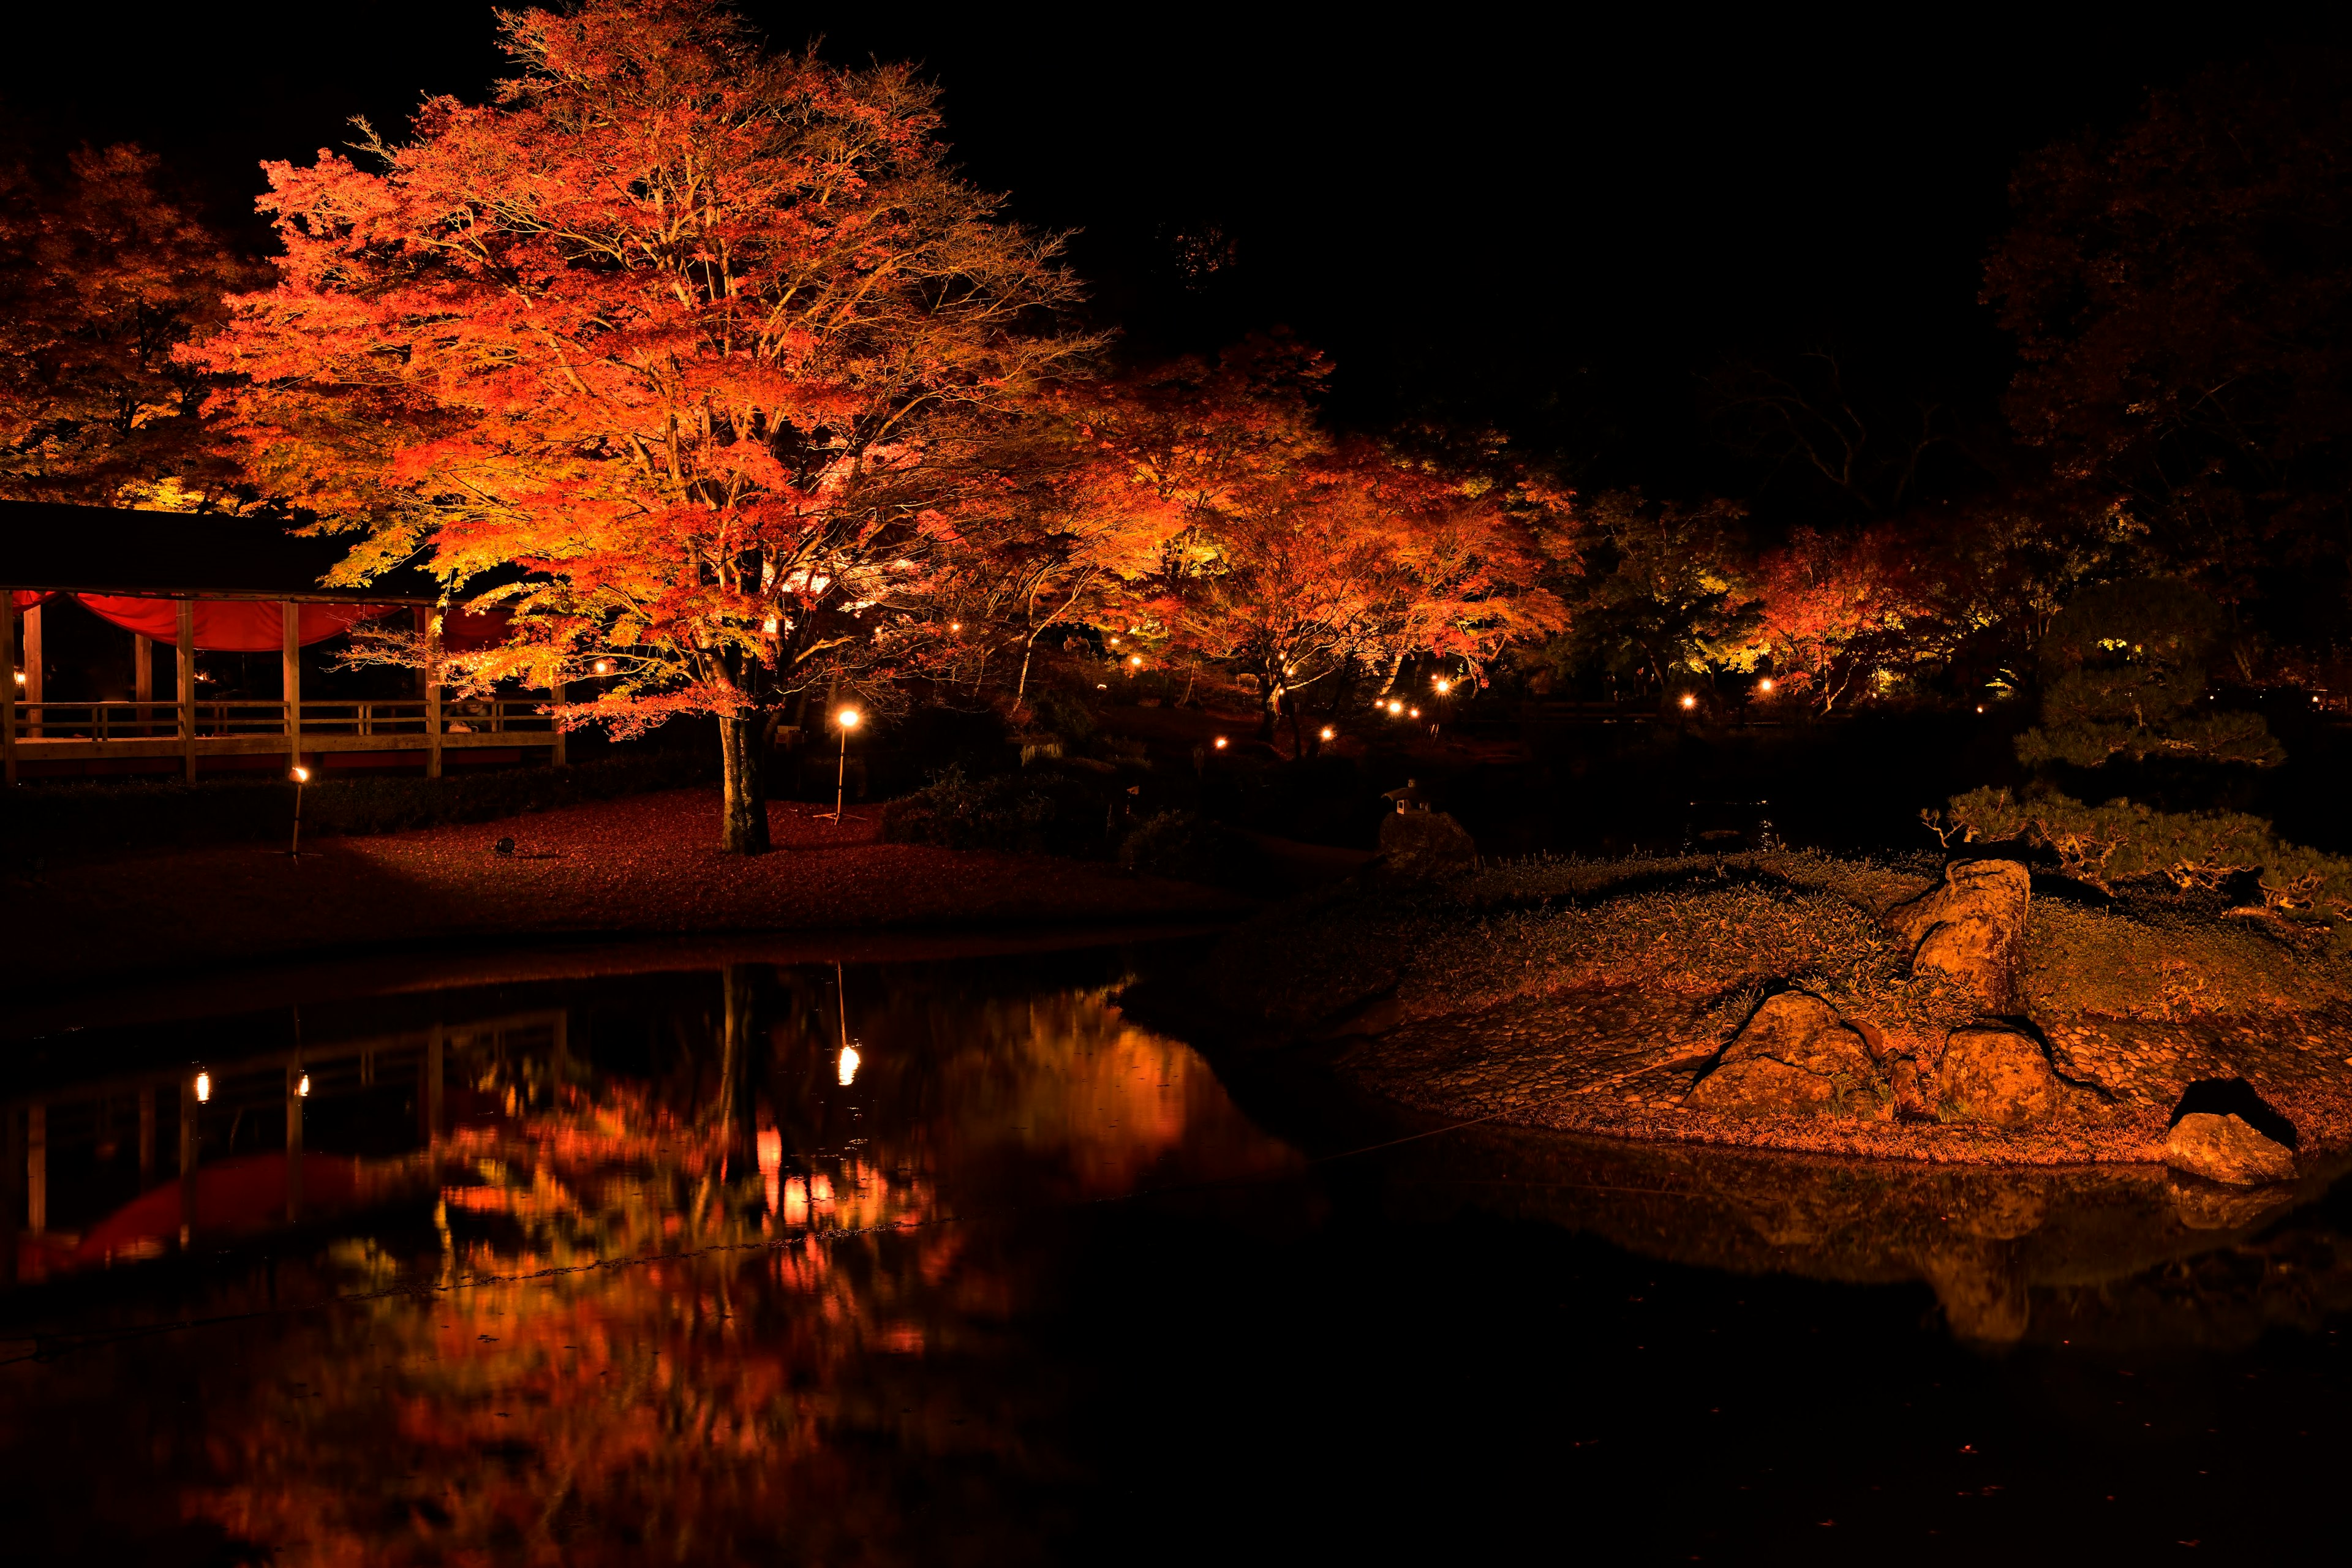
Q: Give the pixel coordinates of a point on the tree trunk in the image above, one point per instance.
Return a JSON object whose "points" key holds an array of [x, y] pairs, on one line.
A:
{"points": [[743, 829], [1269, 707]]}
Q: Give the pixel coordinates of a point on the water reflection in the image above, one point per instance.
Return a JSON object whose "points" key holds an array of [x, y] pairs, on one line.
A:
{"points": [[646, 1267], [2010, 1254], [661, 1269]]}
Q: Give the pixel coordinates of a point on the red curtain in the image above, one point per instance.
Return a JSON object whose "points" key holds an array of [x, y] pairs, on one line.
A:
{"points": [[462, 631], [231, 625], [224, 625], [251, 625]]}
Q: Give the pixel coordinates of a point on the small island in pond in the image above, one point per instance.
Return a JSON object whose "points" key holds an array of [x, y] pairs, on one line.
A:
{"points": [[1797, 1002]]}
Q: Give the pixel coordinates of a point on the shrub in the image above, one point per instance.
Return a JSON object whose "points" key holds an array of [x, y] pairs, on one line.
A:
{"points": [[2122, 841], [1185, 847], [1043, 810]]}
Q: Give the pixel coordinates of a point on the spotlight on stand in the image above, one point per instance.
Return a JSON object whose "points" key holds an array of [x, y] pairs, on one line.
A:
{"points": [[847, 718], [301, 776]]}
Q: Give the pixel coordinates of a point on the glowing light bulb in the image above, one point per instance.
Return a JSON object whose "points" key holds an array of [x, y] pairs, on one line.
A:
{"points": [[1416, 712], [204, 1086], [303, 1090], [604, 667], [1980, 707], [1443, 687], [1137, 659], [1765, 684], [1328, 733], [1396, 707], [301, 776], [955, 625], [848, 718], [20, 677], [1221, 742], [1690, 701], [849, 1060]]}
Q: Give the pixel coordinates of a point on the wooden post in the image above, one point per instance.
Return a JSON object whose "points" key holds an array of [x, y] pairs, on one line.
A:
{"points": [[142, 678], [429, 623], [290, 678], [294, 1139], [428, 1098], [186, 642], [9, 691], [188, 1135], [558, 694], [12, 1196], [37, 1168], [34, 661]]}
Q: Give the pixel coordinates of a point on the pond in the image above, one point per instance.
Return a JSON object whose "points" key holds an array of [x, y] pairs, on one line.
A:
{"points": [[666, 1255]]}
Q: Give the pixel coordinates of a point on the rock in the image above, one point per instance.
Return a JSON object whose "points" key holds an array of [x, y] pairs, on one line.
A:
{"points": [[1914, 1097], [1982, 1291], [2201, 1205], [2225, 1148], [1972, 927], [1424, 846], [1999, 1074], [1794, 1057]]}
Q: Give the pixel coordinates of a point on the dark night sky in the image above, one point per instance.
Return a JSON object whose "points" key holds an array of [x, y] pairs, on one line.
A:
{"points": [[1551, 222]]}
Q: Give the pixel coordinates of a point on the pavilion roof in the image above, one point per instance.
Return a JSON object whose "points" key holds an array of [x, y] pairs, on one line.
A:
{"points": [[50, 545]]}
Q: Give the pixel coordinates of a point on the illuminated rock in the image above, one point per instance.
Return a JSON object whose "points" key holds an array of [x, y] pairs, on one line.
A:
{"points": [[2225, 1148], [1972, 927], [1795, 1056], [1424, 845], [1993, 1074]]}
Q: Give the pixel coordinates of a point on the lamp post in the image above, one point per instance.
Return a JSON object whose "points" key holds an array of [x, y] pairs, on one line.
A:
{"points": [[847, 720], [301, 776]]}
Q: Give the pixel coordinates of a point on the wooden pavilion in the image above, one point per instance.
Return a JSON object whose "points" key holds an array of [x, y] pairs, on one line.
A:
{"points": [[204, 582]]}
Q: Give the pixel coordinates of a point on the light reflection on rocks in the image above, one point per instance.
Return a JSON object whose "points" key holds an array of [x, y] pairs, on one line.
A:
{"points": [[2009, 1253]]}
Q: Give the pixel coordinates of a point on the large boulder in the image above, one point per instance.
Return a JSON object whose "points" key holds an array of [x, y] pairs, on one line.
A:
{"points": [[1999, 1074], [1972, 926], [2226, 1149], [1424, 846], [1794, 1057]]}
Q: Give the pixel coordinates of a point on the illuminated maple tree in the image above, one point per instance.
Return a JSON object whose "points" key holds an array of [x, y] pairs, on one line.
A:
{"points": [[102, 274], [1208, 512], [679, 350]]}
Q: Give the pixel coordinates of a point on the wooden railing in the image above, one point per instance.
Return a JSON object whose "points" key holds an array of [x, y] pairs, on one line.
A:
{"points": [[65, 731], [160, 721]]}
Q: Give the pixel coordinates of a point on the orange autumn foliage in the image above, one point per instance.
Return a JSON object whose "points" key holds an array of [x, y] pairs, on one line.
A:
{"points": [[679, 350]]}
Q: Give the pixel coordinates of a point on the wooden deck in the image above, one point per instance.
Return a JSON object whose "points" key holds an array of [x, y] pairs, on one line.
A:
{"points": [[77, 732]]}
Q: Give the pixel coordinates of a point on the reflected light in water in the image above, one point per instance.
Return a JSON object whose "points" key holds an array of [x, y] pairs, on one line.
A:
{"points": [[848, 1065], [771, 1143]]}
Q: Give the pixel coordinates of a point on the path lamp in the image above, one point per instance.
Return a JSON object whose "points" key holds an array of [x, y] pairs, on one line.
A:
{"points": [[847, 718], [301, 776]]}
